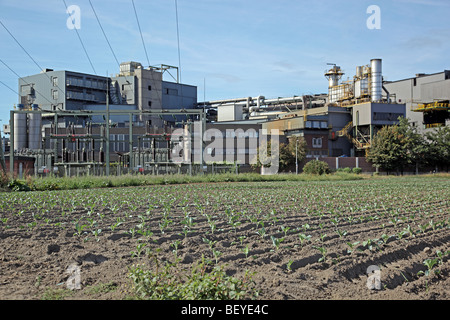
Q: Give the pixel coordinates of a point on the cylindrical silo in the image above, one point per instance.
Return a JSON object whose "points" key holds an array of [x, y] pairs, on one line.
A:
{"points": [[20, 129], [34, 129], [376, 80]]}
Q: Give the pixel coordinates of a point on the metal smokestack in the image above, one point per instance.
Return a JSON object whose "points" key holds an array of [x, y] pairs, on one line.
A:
{"points": [[376, 80]]}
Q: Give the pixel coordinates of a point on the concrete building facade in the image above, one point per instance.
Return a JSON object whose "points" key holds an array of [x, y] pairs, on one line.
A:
{"points": [[421, 89]]}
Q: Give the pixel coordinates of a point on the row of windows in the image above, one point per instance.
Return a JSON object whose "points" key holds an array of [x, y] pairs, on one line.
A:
{"points": [[317, 153], [80, 82], [240, 134], [316, 124], [230, 151]]}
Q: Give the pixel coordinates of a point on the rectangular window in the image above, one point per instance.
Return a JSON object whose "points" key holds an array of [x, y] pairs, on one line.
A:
{"points": [[55, 94], [55, 81], [317, 142], [172, 92], [149, 88], [149, 103]]}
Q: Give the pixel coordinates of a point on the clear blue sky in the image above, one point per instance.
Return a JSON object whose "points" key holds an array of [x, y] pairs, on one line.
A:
{"points": [[238, 48]]}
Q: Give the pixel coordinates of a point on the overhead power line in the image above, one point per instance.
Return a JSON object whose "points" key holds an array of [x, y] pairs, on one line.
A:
{"points": [[179, 54], [37, 64], [159, 96], [140, 31], [103, 31], [18, 76], [82, 44]]}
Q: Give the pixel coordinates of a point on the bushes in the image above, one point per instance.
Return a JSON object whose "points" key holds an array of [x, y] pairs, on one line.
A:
{"points": [[357, 170], [316, 167], [199, 283]]}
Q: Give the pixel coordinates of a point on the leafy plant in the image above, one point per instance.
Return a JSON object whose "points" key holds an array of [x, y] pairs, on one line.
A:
{"points": [[351, 246], [303, 238], [289, 264], [276, 241], [171, 283], [139, 247], [341, 233], [245, 250], [324, 253], [430, 263]]}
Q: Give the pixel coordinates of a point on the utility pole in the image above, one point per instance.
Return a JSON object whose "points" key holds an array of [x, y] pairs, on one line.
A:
{"points": [[296, 159], [2, 154], [107, 126]]}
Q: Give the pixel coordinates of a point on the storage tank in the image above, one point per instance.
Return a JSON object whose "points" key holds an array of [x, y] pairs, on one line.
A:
{"points": [[20, 129], [376, 80], [34, 128]]}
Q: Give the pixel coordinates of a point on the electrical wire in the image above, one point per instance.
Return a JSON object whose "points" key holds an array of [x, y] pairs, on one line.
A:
{"points": [[179, 54], [37, 64], [110, 47], [140, 31], [6, 65], [159, 96], [9, 87], [103, 31], [82, 44]]}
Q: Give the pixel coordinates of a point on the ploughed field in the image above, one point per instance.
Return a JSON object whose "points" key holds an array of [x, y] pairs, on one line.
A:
{"points": [[298, 240]]}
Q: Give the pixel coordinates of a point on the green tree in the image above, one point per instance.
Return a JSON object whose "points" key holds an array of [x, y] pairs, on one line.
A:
{"points": [[297, 144], [439, 147], [399, 146], [416, 147], [288, 151], [387, 149]]}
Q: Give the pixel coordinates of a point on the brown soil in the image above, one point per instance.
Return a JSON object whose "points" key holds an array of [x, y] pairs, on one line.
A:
{"points": [[34, 262]]}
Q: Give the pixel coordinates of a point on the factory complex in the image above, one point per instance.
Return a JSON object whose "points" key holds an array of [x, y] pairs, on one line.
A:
{"points": [[143, 120]]}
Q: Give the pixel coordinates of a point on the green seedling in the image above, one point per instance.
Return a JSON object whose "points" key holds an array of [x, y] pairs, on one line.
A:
{"points": [[401, 234], [289, 264], [261, 232], [31, 225], [430, 263], [139, 248], [370, 244], [423, 227], [241, 239], [216, 254], [323, 251], [305, 227], [175, 245], [276, 241], [385, 238], [210, 243], [303, 238], [285, 230], [351, 245], [409, 230], [245, 250], [341, 233], [79, 228], [96, 233]]}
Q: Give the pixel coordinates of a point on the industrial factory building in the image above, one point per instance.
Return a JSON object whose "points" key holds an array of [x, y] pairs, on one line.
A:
{"points": [[68, 120], [133, 88]]}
